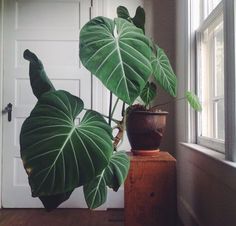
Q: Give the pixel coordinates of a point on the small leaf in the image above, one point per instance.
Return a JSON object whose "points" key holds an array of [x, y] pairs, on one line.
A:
{"points": [[148, 93], [122, 12], [113, 176], [193, 100], [163, 71], [138, 20], [39, 80]]}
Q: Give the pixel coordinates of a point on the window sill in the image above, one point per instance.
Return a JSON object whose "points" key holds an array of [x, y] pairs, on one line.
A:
{"points": [[209, 153]]}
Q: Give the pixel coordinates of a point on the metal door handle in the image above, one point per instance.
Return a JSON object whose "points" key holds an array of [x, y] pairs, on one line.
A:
{"points": [[8, 110]]}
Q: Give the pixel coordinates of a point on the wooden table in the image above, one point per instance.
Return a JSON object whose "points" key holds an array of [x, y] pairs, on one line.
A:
{"points": [[150, 191]]}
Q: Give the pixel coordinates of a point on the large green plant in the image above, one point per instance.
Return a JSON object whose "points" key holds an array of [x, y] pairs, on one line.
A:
{"points": [[59, 155]]}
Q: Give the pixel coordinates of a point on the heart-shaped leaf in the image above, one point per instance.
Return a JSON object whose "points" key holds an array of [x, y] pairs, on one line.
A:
{"points": [[118, 53], [113, 176], [38, 78], [163, 71], [57, 154], [148, 93], [193, 100]]}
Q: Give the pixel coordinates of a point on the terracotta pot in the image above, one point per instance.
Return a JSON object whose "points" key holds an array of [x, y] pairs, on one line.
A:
{"points": [[145, 130]]}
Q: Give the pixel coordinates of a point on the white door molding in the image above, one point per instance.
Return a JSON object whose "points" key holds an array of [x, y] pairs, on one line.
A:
{"points": [[99, 92], [1, 92]]}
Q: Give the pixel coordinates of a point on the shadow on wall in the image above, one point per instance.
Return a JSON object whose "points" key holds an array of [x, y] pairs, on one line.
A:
{"points": [[160, 24]]}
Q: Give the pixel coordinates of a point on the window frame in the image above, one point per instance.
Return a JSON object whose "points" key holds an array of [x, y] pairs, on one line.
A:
{"points": [[230, 80], [214, 15], [229, 17]]}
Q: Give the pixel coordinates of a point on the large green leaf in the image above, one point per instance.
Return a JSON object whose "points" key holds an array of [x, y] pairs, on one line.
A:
{"points": [[118, 53], [148, 93], [138, 20], [193, 100], [38, 77], [113, 176], [57, 154], [163, 71]]}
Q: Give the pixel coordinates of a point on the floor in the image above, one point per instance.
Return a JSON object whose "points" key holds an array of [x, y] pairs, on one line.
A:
{"points": [[62, 217]]}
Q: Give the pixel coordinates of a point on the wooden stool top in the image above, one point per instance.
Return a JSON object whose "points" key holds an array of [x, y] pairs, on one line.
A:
{"points": [[160, 156]]}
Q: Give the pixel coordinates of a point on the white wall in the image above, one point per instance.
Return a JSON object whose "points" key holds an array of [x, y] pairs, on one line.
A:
{"points": [[206, 182]]}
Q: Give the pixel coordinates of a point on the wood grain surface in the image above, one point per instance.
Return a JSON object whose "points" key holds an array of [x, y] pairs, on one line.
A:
{"points": [[150, 191], [60, 217]]}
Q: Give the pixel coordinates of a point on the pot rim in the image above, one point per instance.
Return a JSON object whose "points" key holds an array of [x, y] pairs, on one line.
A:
{"points": [[150, 112]]}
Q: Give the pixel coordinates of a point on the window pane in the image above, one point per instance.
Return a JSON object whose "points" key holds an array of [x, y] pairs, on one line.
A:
{"points": [[219, 60], [212, 4], [208, 6], [220, 118], [211, 80]]}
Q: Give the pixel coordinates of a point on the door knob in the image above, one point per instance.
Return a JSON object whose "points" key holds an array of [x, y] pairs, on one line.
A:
{"points": [[8, 110]]}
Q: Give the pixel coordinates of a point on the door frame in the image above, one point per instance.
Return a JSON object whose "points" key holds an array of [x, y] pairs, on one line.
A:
{"points": [[1, 93], [99, 8], [99, 101]]}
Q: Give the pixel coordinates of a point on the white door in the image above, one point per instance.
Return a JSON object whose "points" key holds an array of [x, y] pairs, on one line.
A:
{"points": [[50, 28]]}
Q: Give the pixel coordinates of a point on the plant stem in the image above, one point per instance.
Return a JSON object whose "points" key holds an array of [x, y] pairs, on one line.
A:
{"points": [[114, 108], [105, 116], [123, 110], [182, 98], [110, 107], [119, 135]]}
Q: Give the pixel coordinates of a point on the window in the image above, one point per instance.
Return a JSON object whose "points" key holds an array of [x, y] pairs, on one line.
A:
{"points": [[210, 73]]}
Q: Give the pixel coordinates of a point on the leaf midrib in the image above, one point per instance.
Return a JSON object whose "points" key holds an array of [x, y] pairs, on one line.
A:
{"points": [[59, 153], [116, 39], [97, 188]]}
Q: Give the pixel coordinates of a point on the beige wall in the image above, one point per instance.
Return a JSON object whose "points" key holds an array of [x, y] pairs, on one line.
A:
{"points": [[206, 189], [160, 25]]}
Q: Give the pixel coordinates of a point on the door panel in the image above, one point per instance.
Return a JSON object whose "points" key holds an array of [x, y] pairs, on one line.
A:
{"points": [[51, 30]]}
